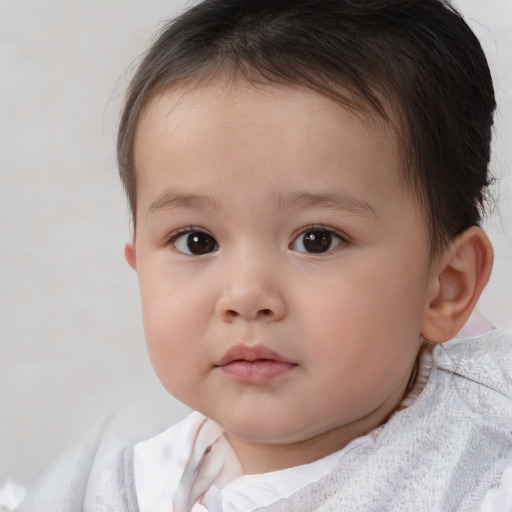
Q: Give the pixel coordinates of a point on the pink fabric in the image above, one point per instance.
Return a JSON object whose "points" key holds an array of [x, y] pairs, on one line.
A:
{"points": [[475, 326]]}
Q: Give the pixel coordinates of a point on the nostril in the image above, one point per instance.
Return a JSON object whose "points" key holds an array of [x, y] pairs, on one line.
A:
{"points": [[230, 315]]}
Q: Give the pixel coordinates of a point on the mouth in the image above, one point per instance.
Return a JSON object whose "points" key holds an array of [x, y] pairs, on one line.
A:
{"points": [[254, 364]]}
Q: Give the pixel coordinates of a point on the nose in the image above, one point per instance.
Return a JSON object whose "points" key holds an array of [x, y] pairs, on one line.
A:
{"points": [[250, 295]]}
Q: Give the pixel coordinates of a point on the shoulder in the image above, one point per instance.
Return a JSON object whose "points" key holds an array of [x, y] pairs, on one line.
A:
{"points": [[97, 470], [111, 480], [484, 360], [62, 487], [97, 474]]}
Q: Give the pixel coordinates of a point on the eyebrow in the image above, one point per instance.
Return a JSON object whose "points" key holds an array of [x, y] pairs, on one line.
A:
{"points": [[170, 200], [338, 200]]}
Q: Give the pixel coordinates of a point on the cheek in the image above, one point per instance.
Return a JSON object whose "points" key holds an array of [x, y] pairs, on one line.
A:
{"points": [[167, 346], [362, 314], [173, 322], [358, 353]]}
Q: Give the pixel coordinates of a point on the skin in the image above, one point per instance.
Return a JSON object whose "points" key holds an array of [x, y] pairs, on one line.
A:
{"points": [[253, 169]]}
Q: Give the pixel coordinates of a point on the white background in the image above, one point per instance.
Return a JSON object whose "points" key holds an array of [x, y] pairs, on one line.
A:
{"points": [[71, 340]]}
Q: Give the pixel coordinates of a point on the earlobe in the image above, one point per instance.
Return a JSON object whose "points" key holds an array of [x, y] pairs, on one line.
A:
{"points": [[458, 281], [129, 254]]}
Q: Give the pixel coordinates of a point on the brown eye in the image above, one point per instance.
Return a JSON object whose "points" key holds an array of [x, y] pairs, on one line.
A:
{"points": [[316, 241], [195, 243]]}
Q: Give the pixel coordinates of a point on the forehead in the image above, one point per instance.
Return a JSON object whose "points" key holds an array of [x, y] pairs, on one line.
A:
{"points": [[234, 108], [228, 133]]}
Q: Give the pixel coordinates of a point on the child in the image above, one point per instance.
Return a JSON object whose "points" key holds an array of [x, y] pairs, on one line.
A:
{"points": [[306, 179]]}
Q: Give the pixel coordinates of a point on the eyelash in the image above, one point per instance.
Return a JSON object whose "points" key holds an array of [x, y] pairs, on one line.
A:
{"points": [[342, 239], [174, 237]]}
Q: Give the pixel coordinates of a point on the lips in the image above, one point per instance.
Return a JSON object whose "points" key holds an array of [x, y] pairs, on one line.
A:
{"points": [[253, 364]]}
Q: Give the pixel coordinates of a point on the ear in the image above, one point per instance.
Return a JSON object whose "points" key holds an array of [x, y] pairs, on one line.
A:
{"points": [[459, 276], [129, 254]]}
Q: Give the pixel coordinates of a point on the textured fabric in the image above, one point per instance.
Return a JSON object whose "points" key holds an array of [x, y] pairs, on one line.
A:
{"points": [[111, 487], [500, 499], [62, 489], [444, 453]]}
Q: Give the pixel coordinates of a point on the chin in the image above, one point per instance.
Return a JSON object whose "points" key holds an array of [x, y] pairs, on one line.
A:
{"points": [[266, 430]]}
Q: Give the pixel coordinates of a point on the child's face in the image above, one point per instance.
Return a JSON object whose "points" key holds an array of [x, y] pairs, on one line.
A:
{"points": [[274, 225]]}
